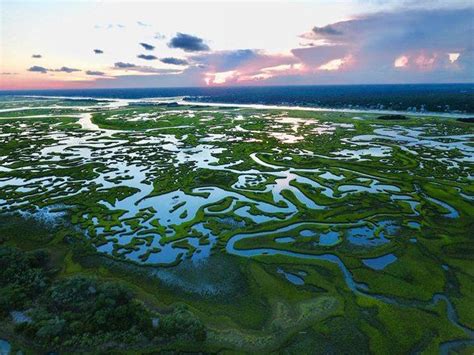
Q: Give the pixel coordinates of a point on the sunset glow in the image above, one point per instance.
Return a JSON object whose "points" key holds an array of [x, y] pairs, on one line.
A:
{"points": [[220, 78], [453, 57], [140, 45], [401, 62]]}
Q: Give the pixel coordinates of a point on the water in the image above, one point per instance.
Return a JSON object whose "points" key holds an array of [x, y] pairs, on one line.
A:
{"points": [[412, 140], [292, 278], [414, 225], [5, 347], [328, 239], [454, 346], [307, 233], [452, 213], [330, 176], [381, 262], [365, 236], [284, 239]]}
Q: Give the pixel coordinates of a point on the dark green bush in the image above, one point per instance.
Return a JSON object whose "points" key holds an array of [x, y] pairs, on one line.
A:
{"points": [[81, 312]]}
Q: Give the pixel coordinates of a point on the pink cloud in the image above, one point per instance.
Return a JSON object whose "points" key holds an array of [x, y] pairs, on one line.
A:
{"points": [[248, 65], [401, 62], [425, 62]]}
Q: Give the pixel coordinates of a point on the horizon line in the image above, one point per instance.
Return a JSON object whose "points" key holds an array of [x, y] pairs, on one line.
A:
{"points": [[236, 86]]}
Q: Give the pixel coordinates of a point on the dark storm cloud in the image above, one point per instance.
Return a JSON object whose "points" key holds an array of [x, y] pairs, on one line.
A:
{"points": [[175, 61], [95, 73], [65, 70], [373, 42], [147, 69], [147, 46], [146, 56], [144, 69], [188, 43], [44, 70], [98, 51], [402, 30], [122, 65], [36, 56], [327, 31], [38, 69]]}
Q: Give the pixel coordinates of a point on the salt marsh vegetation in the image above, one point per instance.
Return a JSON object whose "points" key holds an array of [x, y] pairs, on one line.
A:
{"points": [[277, 227]]}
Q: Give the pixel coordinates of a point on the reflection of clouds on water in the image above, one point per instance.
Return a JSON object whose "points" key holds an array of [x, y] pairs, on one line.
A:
{"points": [[417, 140]]}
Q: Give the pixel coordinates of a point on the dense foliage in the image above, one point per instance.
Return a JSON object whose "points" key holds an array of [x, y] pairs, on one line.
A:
{"points": [[80, 312], [22, 277]]}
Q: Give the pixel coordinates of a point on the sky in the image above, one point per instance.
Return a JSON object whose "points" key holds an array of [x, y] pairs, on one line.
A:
{"points": [[52, 44]]}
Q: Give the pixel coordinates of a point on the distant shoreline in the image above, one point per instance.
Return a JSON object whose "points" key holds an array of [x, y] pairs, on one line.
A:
{"points": [[183, 101], [450, 100]]}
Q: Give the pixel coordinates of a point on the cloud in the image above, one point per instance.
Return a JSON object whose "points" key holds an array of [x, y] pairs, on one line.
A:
{"points": [[95, 73], [98, 51], [143, 24], [159, 36], [147, 46], [188, 43], [401, 61], [65, 70], [44, 70], [122, 65], [144, 69], [147, 56], [318, 55], [336, 64], [147, 69], [404, 45], [175, 61], [109, 26], [326, 31], [38, 69], [397, 46], [401, 30], [453, 56], [226, 60], [242, 59], [238, 66], [192, 76], [37, 56]]}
